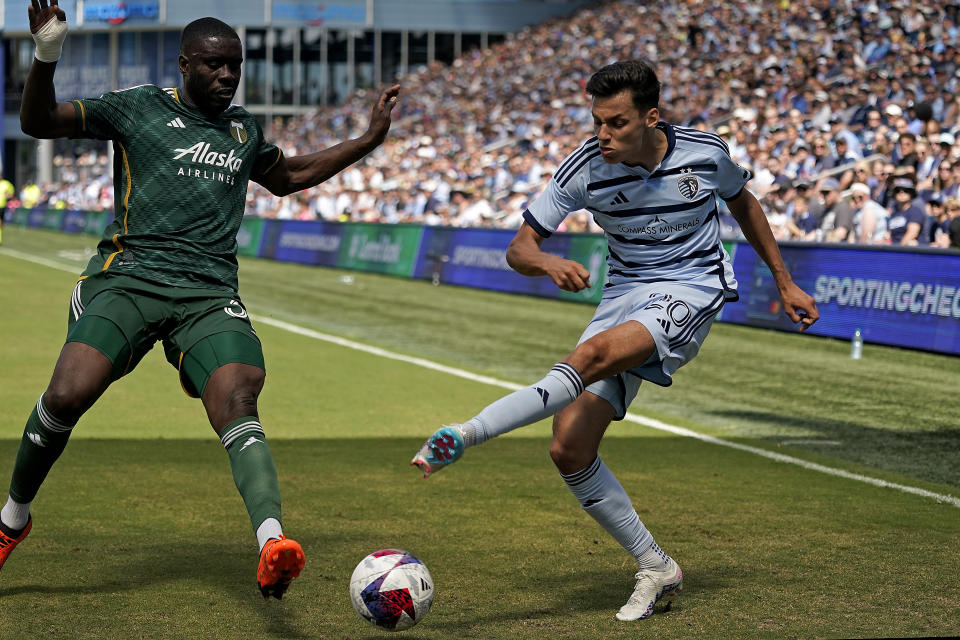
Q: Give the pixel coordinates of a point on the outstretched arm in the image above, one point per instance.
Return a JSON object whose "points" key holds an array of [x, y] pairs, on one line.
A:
{"points": [[526, 257], [41, 116], [302, 172], [797, 304]]}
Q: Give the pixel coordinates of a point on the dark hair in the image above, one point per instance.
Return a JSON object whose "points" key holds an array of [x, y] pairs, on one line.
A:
{"points": [[635, 76], [203, 28]]}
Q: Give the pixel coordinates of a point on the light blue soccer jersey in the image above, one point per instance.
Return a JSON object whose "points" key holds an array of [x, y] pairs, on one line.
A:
{"points": [[660, 225]]}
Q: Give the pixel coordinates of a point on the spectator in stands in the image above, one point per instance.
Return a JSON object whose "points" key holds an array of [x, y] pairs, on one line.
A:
{"points": [[936, 228], [802, 224], [952, 206], [905, 152], [864, 75], [906, 218], [869, 218], [833, 213]]}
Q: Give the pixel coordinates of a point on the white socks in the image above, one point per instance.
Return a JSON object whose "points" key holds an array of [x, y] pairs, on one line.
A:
{"points": [[14, 515], [559, 387], [604, 499], [269, 528]]}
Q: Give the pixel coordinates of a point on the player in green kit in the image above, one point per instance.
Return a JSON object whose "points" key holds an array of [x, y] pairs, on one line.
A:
{"points": [[166, 268]]}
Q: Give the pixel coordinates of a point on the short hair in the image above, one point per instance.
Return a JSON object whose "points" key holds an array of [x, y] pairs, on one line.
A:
{"points": [[203, 28], [635, 76]]}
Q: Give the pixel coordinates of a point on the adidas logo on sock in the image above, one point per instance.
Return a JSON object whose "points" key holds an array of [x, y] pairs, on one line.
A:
{"points": [[177, 123], [619, 199], [544, 395], [249, 442]]}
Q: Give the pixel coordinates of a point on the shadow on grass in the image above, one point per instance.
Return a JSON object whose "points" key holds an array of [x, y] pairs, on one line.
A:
{"points": [[217, 571], [933, 456]]}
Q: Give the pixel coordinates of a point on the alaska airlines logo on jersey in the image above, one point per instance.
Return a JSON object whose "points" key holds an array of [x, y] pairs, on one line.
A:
{"points": [[689, 186], [201, 153], [238, 132]]}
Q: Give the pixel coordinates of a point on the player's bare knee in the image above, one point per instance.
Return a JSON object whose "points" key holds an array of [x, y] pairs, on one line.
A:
{"points": [[569, 459], [588, 359], [64, 403]]}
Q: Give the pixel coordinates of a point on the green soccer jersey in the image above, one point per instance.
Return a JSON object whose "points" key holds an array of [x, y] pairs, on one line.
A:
{"points": [[180, 185]]}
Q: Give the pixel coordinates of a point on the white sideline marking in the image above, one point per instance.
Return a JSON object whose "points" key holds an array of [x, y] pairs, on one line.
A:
{"points": [[647, 422]]}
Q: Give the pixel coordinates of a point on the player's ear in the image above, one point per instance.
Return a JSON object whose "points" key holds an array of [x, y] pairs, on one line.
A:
{"points": [[182, 63], [652, 117]]}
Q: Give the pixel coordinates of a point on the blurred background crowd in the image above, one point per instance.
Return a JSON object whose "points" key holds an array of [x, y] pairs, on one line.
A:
{"points": [[846, 112]]}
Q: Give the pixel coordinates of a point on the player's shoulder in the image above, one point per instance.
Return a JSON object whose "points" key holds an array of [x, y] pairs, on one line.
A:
{"points": [[578, 161], [692, 139], [237, 112], [140, 90]]}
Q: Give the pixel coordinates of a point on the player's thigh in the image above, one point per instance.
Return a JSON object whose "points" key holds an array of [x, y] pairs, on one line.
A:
{"points": [[612, 351], [577, 431], [213, 334], [112, 321]]}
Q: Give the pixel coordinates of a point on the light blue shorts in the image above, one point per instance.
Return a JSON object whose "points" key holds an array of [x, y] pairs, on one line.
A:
{"points": [[677, 315]]}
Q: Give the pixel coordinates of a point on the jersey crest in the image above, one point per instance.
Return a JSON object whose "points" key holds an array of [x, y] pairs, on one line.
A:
{"points": [[689, 186], [238, 132]]}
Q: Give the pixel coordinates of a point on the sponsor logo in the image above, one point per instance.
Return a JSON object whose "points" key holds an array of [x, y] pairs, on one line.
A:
{"points": [[201, 153], [660, 228], [619, 199], [384, 250], [904, 296], [117, 12], [177, 123]]}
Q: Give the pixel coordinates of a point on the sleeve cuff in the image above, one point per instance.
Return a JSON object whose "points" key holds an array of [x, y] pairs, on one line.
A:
{"points": [[539, 228]]}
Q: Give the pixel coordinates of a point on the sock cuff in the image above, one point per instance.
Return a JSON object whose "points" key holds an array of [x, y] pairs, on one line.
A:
{"points": [[246, 426], [49, 421], [569, 374], [579, 477]]}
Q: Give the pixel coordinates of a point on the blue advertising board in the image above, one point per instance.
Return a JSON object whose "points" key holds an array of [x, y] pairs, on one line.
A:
{"points": [[477, 258], [74, 221], [902, 298], [315, 243]]}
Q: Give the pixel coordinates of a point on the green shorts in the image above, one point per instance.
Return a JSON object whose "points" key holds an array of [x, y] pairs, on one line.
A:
{"points": [[201, 329]]}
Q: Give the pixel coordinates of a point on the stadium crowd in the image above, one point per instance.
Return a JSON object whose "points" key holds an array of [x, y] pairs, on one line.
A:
{"points": [[847, 112]]}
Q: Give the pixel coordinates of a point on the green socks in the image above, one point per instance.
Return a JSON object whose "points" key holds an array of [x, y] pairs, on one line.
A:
{"points": [[253, 470], [44, 439]]}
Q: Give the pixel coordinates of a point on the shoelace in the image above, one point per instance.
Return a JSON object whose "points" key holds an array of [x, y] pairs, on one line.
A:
{"points": [[641, 578]]}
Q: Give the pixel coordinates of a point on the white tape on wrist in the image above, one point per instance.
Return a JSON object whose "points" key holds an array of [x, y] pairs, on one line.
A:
{"points": [[49, 40]]}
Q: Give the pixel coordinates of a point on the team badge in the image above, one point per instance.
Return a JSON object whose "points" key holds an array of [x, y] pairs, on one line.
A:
{"points": [[689, 186], [235, 309], [238, 132]]}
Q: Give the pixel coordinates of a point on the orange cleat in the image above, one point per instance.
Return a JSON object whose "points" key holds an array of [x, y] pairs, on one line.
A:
{"points": [[281, 561], [8, 541]]}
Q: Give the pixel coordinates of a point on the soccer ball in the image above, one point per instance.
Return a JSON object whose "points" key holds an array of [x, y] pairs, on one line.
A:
{"points": [[391, 589]]}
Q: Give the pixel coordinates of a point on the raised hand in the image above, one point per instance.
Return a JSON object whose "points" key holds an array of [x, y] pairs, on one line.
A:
{"points": [[48, 25], [41, 12], [380, 114]]}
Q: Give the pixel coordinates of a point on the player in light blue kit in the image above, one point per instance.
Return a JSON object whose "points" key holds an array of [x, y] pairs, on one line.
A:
{"points": [[653, 188]]}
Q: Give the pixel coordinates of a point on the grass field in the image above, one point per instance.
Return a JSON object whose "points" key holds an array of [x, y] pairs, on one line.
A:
{"points": [[140, 533]]}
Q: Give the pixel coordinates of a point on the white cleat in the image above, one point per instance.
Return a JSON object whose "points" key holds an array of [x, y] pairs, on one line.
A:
{"points": [[652, 584]]}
